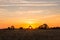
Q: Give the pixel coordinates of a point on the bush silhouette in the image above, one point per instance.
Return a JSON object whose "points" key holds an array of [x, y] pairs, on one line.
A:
{"points": [[21, 28], [9, 28], [44, 26]]}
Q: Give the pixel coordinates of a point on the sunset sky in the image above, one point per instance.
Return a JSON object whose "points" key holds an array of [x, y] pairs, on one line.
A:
{"points": [[22, 13]]}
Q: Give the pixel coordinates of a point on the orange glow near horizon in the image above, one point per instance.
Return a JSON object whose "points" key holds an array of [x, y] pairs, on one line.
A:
{"points": [[27, 22]]}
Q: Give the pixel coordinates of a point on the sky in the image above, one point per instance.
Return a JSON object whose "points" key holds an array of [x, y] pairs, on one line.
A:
{"points": [[22, 13]]}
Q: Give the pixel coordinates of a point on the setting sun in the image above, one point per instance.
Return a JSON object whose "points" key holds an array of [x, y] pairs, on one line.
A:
{"points": [[29, 22]]}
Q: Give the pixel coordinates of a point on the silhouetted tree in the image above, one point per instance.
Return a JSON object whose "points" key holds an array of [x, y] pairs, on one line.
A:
{"points": [[9, 28], [55, 28], [21, 27], [40, 27], [44, 26], [30, 27], [12, 27]]}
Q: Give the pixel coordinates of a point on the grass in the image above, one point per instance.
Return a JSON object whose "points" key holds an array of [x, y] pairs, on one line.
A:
{"points": [[38, 34]]}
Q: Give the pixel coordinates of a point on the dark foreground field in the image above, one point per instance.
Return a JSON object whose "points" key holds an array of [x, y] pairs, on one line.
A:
{"points": [[52, 34]]}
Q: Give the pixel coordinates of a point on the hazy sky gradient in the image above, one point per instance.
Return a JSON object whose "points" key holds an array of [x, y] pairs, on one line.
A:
{"points": [[19, 12]]}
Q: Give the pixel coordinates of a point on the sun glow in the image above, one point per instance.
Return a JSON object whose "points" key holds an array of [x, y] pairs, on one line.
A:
{"points": [[29, 22]]}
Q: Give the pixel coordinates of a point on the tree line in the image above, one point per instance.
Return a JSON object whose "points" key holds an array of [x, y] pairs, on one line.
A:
{"points": [[43, 26]]}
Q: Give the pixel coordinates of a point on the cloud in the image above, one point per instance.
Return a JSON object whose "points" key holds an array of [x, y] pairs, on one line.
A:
{"points": [[14, 5], [27, 8], [16, 2], [38, 4], [28, 14]]}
